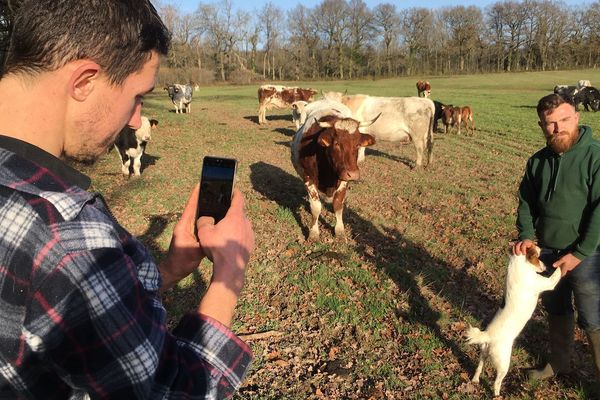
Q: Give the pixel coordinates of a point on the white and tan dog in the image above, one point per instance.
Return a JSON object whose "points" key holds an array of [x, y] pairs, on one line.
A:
{"points": [[523, 287]]}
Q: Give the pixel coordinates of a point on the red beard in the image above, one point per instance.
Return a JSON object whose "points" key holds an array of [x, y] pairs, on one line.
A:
{"points": [[563, 141]]}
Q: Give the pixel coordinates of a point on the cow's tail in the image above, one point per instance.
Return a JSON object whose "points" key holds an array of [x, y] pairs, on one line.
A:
{"points": [[429, 143], [476, 336]]}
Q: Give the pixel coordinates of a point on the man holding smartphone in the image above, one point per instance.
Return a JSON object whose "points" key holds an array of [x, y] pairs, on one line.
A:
{"points": [[79, 296]]}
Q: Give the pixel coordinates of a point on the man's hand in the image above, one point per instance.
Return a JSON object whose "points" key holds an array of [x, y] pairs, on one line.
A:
{"points": [[185, 252], [522, 246], [566, 263], [228, 245]]}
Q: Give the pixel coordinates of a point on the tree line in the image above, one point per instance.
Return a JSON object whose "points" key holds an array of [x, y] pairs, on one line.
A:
{"points": [[345, 39]]}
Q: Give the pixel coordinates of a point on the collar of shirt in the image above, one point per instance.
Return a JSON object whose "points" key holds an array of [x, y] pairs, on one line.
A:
{"points": [[46, 160]]}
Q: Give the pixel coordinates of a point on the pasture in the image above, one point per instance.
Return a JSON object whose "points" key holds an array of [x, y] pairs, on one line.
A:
{"points": [[380, 314]]}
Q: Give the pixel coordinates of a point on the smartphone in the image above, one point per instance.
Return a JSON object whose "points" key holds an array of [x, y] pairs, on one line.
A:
{"points": [[216, 187]]}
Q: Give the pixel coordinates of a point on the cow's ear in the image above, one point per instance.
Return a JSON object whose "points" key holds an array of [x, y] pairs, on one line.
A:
{"points": [[325, 139], [366, 140]]}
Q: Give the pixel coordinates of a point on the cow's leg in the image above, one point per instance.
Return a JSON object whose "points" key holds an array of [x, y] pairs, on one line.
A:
{"points": [[262, 110], [315, 210], [125, 167], [338, 208], [420, 145], [124, 161], [137, 164]]}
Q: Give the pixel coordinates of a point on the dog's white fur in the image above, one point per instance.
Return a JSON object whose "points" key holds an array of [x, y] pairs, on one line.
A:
{"points": [[523, 287]]}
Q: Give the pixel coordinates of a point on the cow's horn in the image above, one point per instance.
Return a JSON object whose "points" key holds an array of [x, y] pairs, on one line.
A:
{"points": [[369, 123]]}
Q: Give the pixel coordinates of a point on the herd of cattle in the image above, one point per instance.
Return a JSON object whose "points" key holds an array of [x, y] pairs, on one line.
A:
{"points": [[333, 131]]}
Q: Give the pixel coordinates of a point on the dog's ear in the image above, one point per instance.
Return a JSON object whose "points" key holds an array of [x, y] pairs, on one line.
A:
{"points": [[533, 256]]}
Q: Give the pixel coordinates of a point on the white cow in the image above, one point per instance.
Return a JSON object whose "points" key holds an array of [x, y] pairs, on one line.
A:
{"points": [[401, 118]]}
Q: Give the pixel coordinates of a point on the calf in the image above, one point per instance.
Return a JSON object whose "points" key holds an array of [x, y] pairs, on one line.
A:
{"points": [[324, 154], [423, 89], [465, 114], [439, 113], [131, 144], [589, 96], [455, 116], [181, 96]]}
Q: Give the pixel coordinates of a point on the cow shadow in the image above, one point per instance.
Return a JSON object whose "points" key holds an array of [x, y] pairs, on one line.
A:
{"points": [[147, 160], [285, 131], [410, 266], [369, 151], [286, 143], [252, 118], [277, 185]]}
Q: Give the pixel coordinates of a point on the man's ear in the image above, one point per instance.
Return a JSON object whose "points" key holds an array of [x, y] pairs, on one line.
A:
{"points": [[83, 79]]}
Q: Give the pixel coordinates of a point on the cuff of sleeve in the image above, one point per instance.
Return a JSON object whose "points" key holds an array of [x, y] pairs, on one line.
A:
{"points": [[579, 255], [217, 344]]}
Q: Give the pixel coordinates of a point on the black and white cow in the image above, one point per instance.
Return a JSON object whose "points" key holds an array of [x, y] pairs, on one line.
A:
{"points": [[589, 96], [566, 91], [131, 144], [181, 96]]}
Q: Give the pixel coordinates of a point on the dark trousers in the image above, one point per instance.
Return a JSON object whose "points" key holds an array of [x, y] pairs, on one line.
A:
{"points": [[581, 284]]}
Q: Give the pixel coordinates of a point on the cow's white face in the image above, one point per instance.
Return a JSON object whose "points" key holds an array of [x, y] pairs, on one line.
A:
{"points": [[108, 108]]}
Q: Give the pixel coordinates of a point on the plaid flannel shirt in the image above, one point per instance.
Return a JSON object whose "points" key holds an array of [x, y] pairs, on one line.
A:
{"points": [[80, 312]]}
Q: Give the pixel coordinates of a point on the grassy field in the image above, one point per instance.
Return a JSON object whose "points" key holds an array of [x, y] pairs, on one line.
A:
{"points": [[380, 314]]}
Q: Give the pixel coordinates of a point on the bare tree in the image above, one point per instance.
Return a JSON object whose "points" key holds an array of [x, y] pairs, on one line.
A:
{"points": [[361, 31], [387, 23], [303, 42], [220, 26], [331, 22], [346, 39], [271, 29], [415, 26]]}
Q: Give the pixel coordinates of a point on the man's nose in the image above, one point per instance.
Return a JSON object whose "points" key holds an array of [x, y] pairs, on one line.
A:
{"points": [[135, 122]]}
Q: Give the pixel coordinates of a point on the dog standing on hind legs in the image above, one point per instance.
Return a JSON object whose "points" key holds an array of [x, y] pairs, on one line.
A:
{"points": [[523, 287]]}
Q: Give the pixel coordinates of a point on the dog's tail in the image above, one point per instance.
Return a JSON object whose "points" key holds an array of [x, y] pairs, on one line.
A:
{"points": [[476, 336]]}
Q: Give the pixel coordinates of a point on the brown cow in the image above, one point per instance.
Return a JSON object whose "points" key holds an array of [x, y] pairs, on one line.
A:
{"points": [[466, 115], [423, 89], [270, 96], [455, 116], [324, 154]]}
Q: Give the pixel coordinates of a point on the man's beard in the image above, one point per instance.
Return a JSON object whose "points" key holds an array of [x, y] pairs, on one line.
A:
{"points": [[563, 141]]}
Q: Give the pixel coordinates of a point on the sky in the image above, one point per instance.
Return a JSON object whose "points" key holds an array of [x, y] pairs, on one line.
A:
{"points": [[189, 6]]}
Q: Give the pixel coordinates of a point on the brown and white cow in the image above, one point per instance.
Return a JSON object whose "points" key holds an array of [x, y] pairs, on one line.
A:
{"points": [[324, 154], [402, 119], [270, 96], [423, 89]]}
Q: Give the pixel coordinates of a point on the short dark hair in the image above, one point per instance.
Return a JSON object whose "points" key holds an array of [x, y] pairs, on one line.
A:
{"points": [[550, 102], [117, 34]]}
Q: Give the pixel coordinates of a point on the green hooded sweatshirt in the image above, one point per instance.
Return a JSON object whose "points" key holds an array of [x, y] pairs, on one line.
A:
{"points": [[559, 197]]}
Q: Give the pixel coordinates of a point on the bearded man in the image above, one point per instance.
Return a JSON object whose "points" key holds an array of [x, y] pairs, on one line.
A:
{"points": [[559, 199]]}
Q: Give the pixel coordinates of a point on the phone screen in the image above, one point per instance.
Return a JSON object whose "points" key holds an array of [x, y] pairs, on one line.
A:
{"points": [[216, 186]]}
